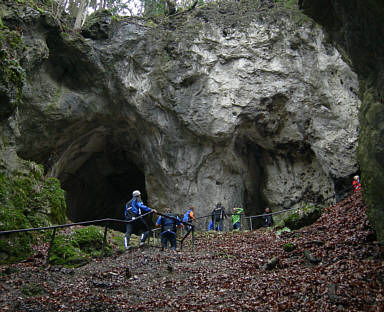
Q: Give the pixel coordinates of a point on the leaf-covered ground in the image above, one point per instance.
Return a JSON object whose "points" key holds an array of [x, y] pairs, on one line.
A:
{"points": [[336, 266]]}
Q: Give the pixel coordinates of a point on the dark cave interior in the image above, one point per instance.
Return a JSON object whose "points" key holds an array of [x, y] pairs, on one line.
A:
{"points": [[101, 187]]}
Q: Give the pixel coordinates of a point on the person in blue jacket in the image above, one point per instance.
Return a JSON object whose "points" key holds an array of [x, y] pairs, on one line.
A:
{"points": [[189, 216], [168, 229], [134, 210]]}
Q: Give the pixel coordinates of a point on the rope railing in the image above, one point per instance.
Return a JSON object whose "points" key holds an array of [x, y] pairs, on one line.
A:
{"points": [[106, 221], [242, 215]]}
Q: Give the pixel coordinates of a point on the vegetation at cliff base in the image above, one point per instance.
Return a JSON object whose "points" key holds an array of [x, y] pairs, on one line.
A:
{"points": [[77, 247], [27, 199]]}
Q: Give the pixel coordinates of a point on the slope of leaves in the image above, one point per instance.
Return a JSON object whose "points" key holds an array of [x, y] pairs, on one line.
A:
{"points": [[336, 266]]}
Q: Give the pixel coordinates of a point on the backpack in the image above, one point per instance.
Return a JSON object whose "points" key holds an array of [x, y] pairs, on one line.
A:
{"points": [[128, 213], [186, 216], [168, 224]]}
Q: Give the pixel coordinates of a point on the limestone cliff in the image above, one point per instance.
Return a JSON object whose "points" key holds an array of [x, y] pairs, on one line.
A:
{"points": [[237, 103]]}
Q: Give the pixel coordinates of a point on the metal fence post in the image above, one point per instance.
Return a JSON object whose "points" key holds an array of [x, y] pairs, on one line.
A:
{"points": [[50, 246], [104, 239], [193, 237], [250, 222]]}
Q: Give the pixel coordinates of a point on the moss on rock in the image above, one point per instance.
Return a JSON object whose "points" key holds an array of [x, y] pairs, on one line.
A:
{"points": [[27, 199], [65, 253], [14, 247], [78, 247], [90, 240], [307, 215]]}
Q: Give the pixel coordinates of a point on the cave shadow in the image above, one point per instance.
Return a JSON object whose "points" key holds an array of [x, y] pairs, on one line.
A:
{"points": [[254, 201], [101, 187]]}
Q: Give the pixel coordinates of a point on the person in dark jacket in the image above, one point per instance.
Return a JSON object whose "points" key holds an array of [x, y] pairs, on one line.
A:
{"points": [[168, 229], [218, 215], [134, 210], [267, 217]]}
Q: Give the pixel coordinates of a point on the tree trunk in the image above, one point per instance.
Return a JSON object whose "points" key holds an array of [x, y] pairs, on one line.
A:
{"points": [[61, 4], [81, 14]]}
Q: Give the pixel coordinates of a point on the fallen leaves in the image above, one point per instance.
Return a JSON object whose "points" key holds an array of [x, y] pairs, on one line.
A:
{"points": [[336, 265]]}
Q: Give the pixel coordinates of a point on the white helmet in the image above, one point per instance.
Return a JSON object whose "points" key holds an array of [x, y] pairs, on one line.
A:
{"points": [[356, 177], [136, 193]]}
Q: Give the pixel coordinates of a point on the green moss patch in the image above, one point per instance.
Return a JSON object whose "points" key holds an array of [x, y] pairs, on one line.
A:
{"points": [[12, 75], [305, 216], [27, 199], [90, 240], [64, 252], [81, 245], [288, 247]]}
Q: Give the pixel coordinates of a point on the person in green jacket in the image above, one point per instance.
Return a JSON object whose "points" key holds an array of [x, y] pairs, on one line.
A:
{"points": [[236, 217]]}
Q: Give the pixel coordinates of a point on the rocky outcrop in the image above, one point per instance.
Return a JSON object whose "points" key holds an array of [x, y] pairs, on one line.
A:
{"points": [[244, 105], [357, 28]]}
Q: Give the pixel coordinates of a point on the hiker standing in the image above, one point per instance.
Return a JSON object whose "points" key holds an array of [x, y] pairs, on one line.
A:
{"points": [[356, 183], [236, 218], [168, 229], [134, 210], [267, 217], [189, 216], [218, 215]]}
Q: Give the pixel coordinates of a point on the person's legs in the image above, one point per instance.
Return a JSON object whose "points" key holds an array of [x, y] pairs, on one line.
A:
{"points": [[145, 234], [128, 232], [172, 240], [220, 227], [164, 241]]}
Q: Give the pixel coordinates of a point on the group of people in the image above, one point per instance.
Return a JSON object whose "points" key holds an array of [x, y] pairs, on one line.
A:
{"points": [[218, 216], [135, 211]]}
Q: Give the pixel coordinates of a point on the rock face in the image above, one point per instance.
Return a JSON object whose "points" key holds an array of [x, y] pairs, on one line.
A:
{"points": [[237, 104], [357, 27]]}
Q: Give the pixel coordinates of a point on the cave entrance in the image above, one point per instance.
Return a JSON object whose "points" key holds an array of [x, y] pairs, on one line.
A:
{"points": [[254, 201], [102, 185]]}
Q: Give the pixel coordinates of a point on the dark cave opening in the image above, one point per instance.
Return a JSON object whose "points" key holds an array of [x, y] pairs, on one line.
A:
{"points": [[101, 187], [254, 202]]}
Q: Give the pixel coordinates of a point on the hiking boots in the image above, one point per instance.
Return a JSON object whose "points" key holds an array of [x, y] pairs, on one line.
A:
{"points": [[141, 244]]}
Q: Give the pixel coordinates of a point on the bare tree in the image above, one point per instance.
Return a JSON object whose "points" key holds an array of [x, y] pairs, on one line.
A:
{"points": [[61, 5], [81, 14]]}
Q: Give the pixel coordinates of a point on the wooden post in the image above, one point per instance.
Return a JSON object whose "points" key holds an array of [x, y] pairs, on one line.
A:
{"points": [[104, 240], [50, 245]]}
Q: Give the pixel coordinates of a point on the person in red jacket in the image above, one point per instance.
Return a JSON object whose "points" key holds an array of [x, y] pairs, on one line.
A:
{"points": [[356, 183]]}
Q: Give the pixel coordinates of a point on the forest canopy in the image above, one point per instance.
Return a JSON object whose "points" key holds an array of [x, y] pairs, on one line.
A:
{"points": [[80, 9]]}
